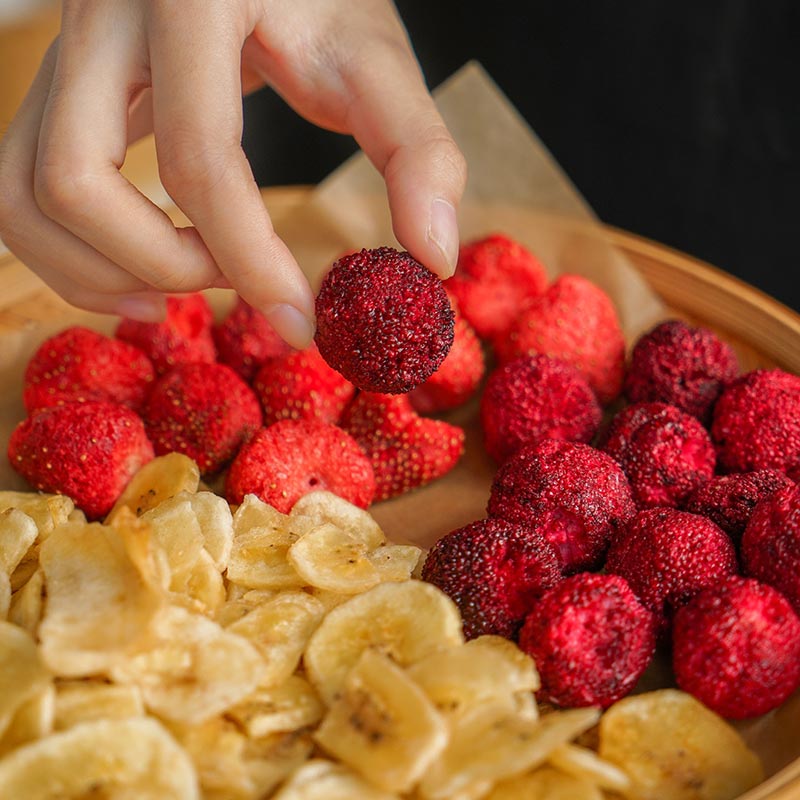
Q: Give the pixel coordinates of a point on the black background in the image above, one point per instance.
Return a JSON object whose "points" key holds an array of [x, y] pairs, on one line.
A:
{"points": [[676, 120]]}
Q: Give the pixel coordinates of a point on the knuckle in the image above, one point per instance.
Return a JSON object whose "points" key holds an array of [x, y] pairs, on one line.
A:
{"points": [[62, 191]]}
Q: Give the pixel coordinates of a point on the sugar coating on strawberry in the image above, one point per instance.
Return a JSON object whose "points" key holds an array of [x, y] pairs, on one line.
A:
{"points": [[576, 496], [493, 570], [756, 423], [291, 458], [666, 453], [729, 500], [496, 276], [383, 320], [573, 321], [771, 543], [591, 640], [183, 337], [535, 396], [680, 365], [205, 411], [457, 379], [668, 556], [88, 451], [79, 365], [736, 648], [406, 451], [245, 341], [300, 385]]}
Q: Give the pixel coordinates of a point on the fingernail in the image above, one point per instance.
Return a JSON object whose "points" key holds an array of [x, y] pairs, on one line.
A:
{"points": [[291, 325], [443, 232], [143, 309]]}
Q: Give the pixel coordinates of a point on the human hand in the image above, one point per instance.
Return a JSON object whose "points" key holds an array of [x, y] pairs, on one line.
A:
{"points": [[121, 68]]}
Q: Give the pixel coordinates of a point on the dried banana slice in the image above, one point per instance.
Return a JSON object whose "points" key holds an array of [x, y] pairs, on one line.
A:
{"points": [[546, 783], [325, 507], [323, 780]]}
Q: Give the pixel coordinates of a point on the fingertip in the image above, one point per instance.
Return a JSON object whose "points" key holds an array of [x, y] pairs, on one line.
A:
{"points": [[143, 308], [442, 238], [291, 324]]}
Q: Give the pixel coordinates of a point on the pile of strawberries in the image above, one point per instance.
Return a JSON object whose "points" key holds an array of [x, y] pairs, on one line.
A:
{"points": [[674, 524]]}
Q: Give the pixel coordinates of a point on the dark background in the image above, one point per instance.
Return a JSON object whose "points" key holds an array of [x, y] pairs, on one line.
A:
{"points": [[677, 120]]}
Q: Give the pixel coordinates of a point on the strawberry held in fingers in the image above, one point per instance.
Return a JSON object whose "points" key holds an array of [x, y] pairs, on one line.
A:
{"points": [[573, 321], [383, 320], [406, 451], [245, 341], [495, 278], [205, 411], [183, 337], [81, 365], [291, 458], [300, 385], [88, 451]]}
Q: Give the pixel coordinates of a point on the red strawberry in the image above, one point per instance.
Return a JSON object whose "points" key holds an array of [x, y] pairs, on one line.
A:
{"points": [[496, 277], [458, 377], [300, 385], [205, 411], [246, 341], [574, 321], [291, 458], [183, 337], [406, 451], [88, 451], [80, 365]]}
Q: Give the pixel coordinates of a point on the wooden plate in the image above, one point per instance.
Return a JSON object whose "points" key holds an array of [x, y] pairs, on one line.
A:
{"points": [[764, 333]]}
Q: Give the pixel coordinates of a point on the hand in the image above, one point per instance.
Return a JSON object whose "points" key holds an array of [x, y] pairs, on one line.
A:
{"points": [[121, 68]]}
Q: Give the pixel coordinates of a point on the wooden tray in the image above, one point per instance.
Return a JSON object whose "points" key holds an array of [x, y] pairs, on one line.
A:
{"points": [[764, 333]]}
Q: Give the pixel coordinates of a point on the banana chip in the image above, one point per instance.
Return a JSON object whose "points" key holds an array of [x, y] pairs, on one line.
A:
{"points": [[27, 604], [584, 763], [134, 758], [199, 588], [87, 701], [325, 507], [395, 562], [406, 621], [17, 533], [99, 604], [32, 720], [216, 524], [48, 511], [546, 783], [324, 780], [5, 595], [157, 481], [674, 748], [192, 669]]}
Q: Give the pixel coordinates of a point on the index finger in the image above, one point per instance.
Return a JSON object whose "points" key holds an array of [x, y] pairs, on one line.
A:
{"points": [[197, 116]]}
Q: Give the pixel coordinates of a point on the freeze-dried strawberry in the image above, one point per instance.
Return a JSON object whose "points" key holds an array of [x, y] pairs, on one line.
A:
{"points": [[246, 341], [457, 378], [756, 422], [496, 276], [666, 453], [183, 337], [205, 411], [736, 648], [383, 320], [88, 451], [406, 451], [573, 321], [81, 365], [591, 640], [535, 396], [300, 385], [680, 365], [576, 496], [291, 458], [493, 570]]}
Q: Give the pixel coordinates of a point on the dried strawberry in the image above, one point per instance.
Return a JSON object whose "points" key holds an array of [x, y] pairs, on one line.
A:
{"points": [[79, 365], [88, 451], [535, 396], [300, 385], [495, 278], [591, 640], [493, 570], [183, 337], [573, 321], [736, 648], [246, 341], [406, 450], [383, 320], [291, 458], [205, 411]]}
